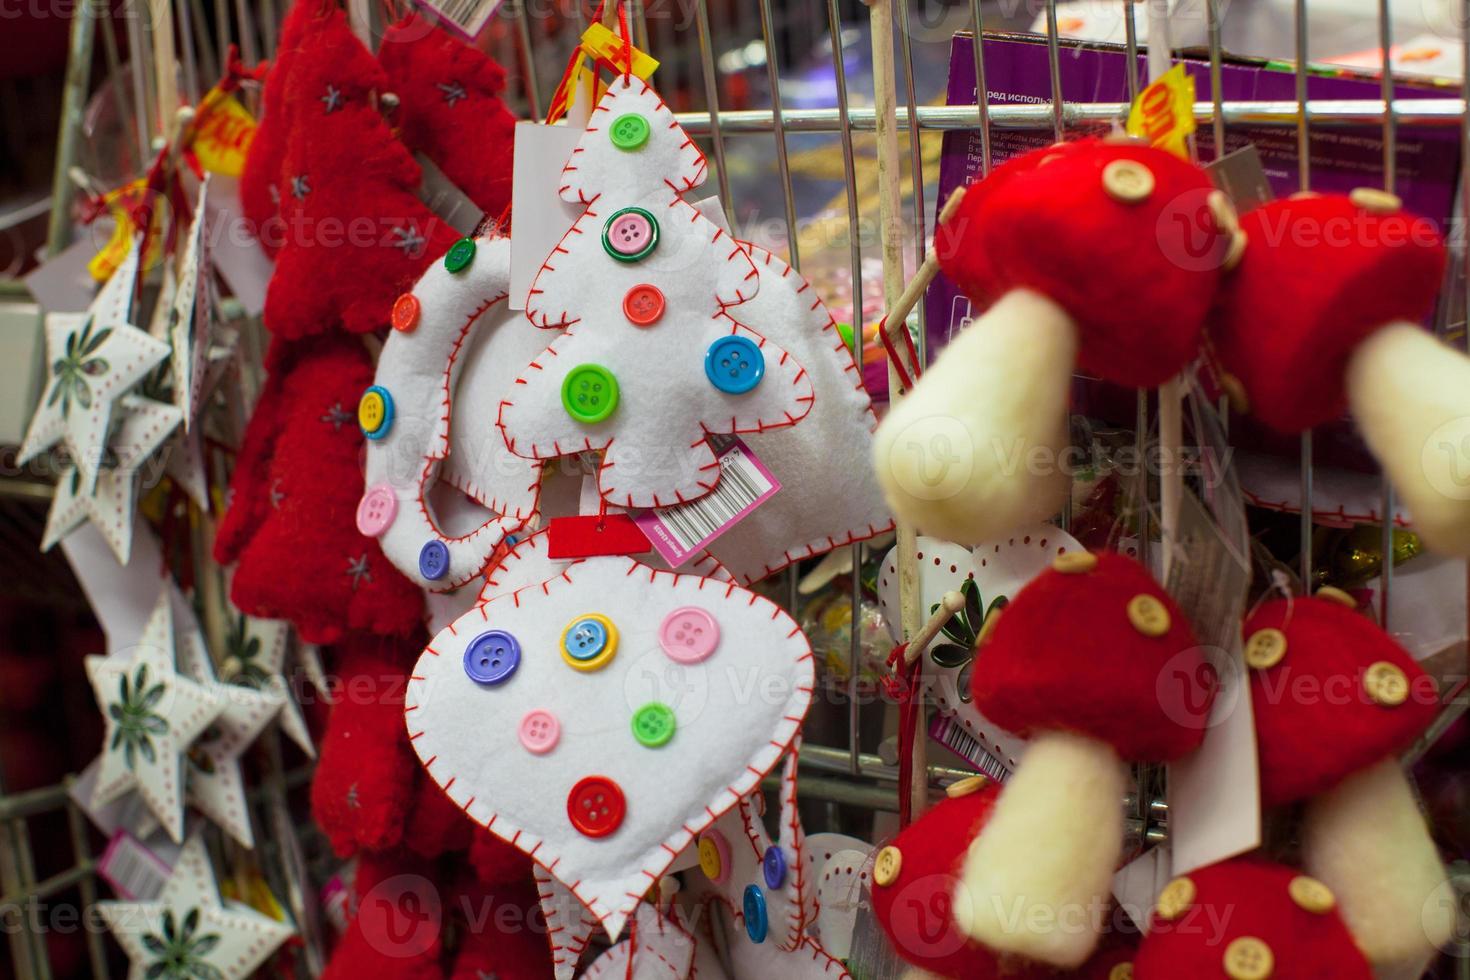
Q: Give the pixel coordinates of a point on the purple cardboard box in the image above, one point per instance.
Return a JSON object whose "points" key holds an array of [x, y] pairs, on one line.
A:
{"points": [[1016, 71]]}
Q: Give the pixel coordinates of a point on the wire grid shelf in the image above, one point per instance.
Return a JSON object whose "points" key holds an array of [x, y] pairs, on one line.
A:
{"points": [[532, 43]]}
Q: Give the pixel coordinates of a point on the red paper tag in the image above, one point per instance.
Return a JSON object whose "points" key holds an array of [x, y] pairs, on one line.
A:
{"points": [[592, 535]]}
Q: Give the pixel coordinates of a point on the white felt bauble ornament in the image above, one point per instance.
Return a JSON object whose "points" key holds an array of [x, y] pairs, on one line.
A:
{"points": [[600, 720], [654, 356], [661, 947]]}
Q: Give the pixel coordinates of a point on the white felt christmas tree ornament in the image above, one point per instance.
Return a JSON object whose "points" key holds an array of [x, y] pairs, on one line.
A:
{"points": [[417, 375], [1073, 256], [600, 720], [647, 365]]}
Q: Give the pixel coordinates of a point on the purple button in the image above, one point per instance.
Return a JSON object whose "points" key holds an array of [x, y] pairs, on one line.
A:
{"points": [[492, 657]]}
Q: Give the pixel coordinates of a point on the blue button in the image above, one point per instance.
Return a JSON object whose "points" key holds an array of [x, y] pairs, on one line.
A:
{"points": [[773, 866], [434, 561], [754, 906], [492, 657], [586, 639], [734, 364]]}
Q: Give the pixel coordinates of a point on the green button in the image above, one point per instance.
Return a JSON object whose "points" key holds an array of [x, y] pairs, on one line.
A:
{"points": [[629, 131], [460, 255], [589, 393], [653, 724]]}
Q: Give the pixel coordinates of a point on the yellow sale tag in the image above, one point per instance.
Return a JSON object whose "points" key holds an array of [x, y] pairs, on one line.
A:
{"points": [[221, 133], [604, 45], [120, 204], [1164, 112]]}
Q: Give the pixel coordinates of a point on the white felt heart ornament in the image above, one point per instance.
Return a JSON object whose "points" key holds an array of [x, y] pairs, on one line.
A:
{"points": [[600, 720]]}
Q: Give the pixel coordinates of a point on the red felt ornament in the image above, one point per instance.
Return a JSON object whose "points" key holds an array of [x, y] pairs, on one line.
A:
{"points": [[397, 928]]}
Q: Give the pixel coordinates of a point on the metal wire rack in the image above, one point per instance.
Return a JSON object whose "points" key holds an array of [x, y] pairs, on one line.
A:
{"points": [[694, 42]]}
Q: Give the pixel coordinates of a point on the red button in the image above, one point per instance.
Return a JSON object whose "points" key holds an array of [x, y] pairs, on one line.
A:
{"points": [[405, 314], [643, 305], [596, 806]]}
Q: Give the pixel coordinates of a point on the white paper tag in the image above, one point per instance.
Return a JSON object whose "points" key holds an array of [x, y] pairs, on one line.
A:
{"points": [[467, 18], [1138, 883], [233, 248], [540, 217], [678, 533], [62, 284]]}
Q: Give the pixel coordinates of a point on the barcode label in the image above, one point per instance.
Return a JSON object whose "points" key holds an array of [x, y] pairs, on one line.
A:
{"points": [[466, 18], [135, 872], [678, 532], [952, 735]]}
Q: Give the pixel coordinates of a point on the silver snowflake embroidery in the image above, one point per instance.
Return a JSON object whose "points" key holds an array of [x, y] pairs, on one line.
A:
{"points": [[357, 568], [409, 240], [453, 92], [337, 416], [277, 495], [352, 801], [300, 186], [333, 99], [275, 194]]}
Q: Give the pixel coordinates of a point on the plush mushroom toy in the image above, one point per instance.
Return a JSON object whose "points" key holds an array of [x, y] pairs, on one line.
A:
{"points": [[1336, 700], [1076, 256], [1082, 663], [1323, 314], [1248, 919]]}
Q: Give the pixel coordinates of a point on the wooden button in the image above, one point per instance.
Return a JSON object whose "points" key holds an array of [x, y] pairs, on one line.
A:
{"points": [[1121, 971], [1311, 895], [1386, 684], [1337, 595], [886, 866], [1074, 562], [1176, 899], [1376, 201], [1235, 393], [1148, 615], [1265, 648], [1128, 181], [1248, 958], [966, 786]]}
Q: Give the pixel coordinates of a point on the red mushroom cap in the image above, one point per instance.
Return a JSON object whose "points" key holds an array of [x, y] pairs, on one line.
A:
{"points": [[1318, 276], [1248, 918], [1333, 694], [1094, 645], [916, 907], [1137, 272]]}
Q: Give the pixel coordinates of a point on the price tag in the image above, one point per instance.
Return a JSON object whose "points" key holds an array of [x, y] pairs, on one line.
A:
{"points": [[680, 532]]}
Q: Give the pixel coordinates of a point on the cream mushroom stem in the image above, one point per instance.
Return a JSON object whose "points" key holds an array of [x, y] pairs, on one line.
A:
{"points": [[1410, 395], [1037, 879], [1368, 841], [977, 447]]}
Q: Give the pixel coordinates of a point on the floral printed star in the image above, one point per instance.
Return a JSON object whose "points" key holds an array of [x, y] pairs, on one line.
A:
{"points": [[453, 92], [409, 240], [300, 186], [358, 569], [333, 99], [337, 416]]}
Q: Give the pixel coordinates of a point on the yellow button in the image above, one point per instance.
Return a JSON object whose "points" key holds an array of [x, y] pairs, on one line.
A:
{"points": [[1311, 895], [1376, 201], [1128, 181], [1386, 684], [1074, 562], [1248, 958], [1265, 648], [1176, 899], [886, 866], [373, 410], [709, 858], [589, 642], [1148, 615], [1337, 595], [1122, 971], [966, 786]]}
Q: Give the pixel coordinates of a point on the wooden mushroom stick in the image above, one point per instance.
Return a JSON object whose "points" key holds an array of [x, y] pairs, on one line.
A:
{"points": [[1074, 256], [1323, 314], [922, 279], [1073, 664], [1248, 917], [1336, 700]]}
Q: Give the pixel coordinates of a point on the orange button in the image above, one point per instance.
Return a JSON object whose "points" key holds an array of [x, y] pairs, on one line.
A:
{"points": [[405, 312], [643, 305]]}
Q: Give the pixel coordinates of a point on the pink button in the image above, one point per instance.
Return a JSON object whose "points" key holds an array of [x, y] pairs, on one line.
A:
{"points": [[630, 233], [376, 509], [540, 731], [688, 635]]}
